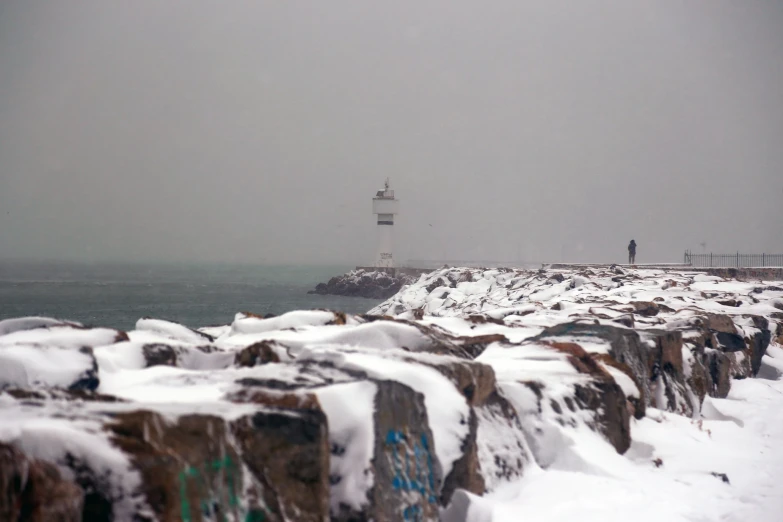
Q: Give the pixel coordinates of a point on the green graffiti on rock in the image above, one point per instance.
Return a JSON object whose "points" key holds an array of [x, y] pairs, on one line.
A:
{"points": [[213, 506]]}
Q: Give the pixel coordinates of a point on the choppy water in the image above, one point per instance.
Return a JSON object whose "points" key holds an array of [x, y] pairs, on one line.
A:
{"points": [[118, 295]]}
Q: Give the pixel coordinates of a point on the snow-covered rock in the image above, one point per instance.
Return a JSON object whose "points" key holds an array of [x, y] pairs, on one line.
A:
{"points": [[26, 366], [172, 331], [35, 490], [37, 352], [372, 284], [464, 385]]}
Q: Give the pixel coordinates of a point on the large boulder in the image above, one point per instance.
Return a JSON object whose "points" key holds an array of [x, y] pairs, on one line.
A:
{"points": [[621, 344], [494, 450], [34, 366], [613, 419], [670, 388], [697, 375], [36, 353], [173, 331], [265, 460], [148, 352], [721, 333], [20, 324], [719, 367], [476, 382], [185, 475], [249, 324], [435, 340], [262, 352], [196, 357], [407, 473], [287, 450], [502, 449], [759, 341], [393, 472], [557, 386], [33, 490], [364, 283]]}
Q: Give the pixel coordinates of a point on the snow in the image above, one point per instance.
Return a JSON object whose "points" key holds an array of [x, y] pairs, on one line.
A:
{"points": [[292, 320], [34, 366], [446, 407], [379, 334], [171, 330], [348, 406], [8, 326], [772, 364], [61, 336], [480, 287], [120, 356], [623, 381], [129, 355], [215, 331], [576, 474], [53, 439], [498, 447], [589, 344], [523, 299], [603, 486], [519, 363], [165, 384], [569, 471]]}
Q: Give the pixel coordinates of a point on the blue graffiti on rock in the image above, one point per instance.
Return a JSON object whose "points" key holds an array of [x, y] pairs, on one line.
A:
{"points": [[415, 474]]}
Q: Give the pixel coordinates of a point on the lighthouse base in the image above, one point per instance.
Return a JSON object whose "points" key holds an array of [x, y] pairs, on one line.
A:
{"points": [[371, 282]]}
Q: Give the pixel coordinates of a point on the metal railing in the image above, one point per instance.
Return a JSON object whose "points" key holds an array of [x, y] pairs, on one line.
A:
{"points": [[732, 260]]}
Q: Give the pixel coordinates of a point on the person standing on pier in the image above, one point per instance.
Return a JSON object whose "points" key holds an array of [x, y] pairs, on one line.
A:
{"points": [[632, 252]]}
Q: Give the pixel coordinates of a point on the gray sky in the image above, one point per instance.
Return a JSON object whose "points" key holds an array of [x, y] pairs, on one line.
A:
{"points": [[259, 131]]}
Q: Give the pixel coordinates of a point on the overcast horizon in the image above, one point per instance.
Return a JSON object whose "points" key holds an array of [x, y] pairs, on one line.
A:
{"points": [[259, 132]]}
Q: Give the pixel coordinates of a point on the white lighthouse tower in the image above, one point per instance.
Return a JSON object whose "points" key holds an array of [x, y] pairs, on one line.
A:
{"points": [[385, 206]]}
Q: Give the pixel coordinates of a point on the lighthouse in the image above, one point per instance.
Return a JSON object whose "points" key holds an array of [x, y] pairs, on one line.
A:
{"points": [[385, 207]]}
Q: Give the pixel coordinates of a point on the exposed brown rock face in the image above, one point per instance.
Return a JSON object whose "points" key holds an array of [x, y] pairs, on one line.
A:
{"points": [[477, 384], [190, 469], [654, 363], [667, 373], [258, 353], [288, 451], [475, 381], [624, 346], [35, 491], [608, 400], [159, 355], [719, 367], [700, 379], [759, 342], [637, 405]]}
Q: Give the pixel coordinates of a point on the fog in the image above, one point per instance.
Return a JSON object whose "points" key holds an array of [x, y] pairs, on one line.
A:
{"points": [[511, 130]]}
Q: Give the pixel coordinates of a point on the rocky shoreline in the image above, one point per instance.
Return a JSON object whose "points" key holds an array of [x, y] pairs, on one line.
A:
{"points": [[465, 381], [378, 284]]}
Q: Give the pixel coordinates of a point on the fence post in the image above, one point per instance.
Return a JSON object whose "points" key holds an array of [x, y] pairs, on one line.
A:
{"points": [[738, 259], [763, 259], [710, 259]]}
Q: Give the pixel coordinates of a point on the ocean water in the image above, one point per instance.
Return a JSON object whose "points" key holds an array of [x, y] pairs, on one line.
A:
{"points": [[117, 295]]}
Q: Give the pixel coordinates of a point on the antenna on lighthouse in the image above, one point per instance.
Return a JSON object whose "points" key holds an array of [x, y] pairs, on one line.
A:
{"points": [[385, 206]]}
